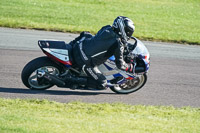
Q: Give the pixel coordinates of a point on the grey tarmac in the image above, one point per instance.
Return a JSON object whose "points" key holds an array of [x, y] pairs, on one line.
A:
{"points": [[173, 78]]}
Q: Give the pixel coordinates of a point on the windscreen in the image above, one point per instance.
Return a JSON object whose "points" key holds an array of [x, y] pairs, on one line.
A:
{"points": [[140, 49]]}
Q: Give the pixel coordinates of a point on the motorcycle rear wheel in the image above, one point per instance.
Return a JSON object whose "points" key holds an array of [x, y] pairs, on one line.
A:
{"points": [[131, 85], [29, 73]]}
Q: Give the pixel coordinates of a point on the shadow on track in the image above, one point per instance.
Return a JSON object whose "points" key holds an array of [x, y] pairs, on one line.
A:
{"points": [[51, 92]]}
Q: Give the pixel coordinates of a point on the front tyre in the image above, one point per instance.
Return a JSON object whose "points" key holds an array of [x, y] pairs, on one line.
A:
{"points": [[131, 85], [29, 73]]}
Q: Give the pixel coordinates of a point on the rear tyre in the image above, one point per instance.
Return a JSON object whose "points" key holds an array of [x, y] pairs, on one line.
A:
{"points": [[131, 85], [29, 73]]}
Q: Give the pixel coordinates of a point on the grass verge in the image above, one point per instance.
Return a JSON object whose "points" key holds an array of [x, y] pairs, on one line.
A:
{"points": [[163, 20], [42, 116]]}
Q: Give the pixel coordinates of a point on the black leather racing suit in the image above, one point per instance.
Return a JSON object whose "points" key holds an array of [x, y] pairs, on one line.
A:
{"points": [[90, 51]]}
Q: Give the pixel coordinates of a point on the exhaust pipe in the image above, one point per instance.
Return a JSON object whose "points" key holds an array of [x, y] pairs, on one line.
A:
{"points": [[51, 78], [59, 82]]}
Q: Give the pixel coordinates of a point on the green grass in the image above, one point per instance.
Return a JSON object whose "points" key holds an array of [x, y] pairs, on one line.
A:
{"points": [[164, 20], [36, 116]]}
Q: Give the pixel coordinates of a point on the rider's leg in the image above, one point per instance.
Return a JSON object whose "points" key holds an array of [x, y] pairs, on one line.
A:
{"points": [[97, 77]]}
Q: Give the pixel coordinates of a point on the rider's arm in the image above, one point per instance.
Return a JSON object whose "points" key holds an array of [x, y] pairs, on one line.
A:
{"points": [[119, 59]]}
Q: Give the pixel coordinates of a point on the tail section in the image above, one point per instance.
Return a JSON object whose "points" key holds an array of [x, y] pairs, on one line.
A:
{"points": [[57, 50]]}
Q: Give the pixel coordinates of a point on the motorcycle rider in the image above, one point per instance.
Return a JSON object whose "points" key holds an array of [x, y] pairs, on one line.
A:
{"points": [[90, 51]]}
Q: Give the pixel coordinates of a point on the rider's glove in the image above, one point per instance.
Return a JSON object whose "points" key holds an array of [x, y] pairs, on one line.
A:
{"points": [[131, 68]]}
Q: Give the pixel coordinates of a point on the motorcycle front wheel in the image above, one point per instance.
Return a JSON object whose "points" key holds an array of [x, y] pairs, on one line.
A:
{"points": [[131, 85], [29, 73]]}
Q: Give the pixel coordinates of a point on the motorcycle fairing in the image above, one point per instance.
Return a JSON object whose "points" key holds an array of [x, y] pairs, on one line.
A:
{"points": [[56, 50], [111, 72]]}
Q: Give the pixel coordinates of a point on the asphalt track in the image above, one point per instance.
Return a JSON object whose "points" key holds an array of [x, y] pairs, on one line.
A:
{"points": [[173, 78]]}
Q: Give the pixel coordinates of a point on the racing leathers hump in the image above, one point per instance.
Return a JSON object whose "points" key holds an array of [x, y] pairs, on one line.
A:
{"points": [[95, 50]]}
